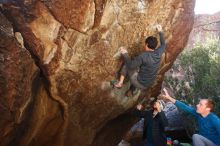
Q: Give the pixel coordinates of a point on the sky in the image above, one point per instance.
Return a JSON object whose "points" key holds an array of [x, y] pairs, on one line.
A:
{"points": [[207, 6]]}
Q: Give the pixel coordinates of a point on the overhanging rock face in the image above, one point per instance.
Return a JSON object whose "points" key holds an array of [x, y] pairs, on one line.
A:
{"points": [[72, 44]]}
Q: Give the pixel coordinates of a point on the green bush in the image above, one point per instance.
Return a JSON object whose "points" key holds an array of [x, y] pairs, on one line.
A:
{"points": [[201, 66]]}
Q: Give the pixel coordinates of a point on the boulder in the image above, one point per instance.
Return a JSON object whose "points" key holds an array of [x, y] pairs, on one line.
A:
{"points": [[54, 78]]}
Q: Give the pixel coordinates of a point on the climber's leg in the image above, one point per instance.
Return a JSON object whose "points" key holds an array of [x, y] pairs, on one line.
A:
{"points": [[135, 85], [134, 81], [120, 83], [123, 74]]}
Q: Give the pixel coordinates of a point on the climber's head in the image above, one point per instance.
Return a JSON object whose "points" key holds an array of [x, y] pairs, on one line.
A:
{"points": [[151, 43]]}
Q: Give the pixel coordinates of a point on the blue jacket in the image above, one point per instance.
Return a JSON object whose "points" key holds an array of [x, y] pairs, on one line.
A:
{"points": [[209, 126]]}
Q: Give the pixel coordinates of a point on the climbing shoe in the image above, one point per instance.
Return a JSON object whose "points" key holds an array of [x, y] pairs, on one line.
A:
{"points": [[115, 84]]}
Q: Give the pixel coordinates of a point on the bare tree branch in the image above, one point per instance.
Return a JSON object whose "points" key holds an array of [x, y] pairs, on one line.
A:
{"points": [[205, 29], [207, 23]]}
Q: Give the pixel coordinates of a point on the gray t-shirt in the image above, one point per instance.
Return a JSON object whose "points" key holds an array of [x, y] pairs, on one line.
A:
{"points": [[147, 62]]}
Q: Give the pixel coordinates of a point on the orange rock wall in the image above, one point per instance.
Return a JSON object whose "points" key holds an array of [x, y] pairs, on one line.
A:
{"points": [[67, 56]]}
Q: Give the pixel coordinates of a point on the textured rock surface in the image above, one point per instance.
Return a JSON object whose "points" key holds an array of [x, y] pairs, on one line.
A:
{"points": [[18, 74], [72, 43]]}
